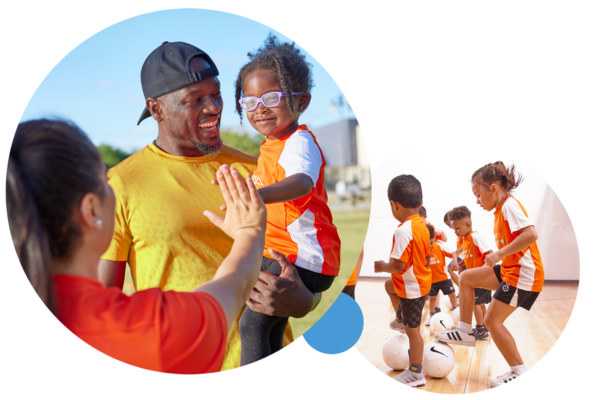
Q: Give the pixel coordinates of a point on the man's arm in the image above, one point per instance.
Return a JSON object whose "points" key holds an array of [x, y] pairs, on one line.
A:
{"points": [[284, 295], [112, 273]]}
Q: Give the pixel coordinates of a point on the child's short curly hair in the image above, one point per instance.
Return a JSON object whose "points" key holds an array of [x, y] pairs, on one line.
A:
{"points": [[423, 212], [406, 191], [459, 213], [286, 61], [431, 231]]}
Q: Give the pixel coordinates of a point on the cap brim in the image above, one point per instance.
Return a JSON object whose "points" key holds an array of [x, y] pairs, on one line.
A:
{"points": [[145, 115]]}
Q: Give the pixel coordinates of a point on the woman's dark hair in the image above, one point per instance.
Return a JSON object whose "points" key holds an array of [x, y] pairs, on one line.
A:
{"points": [[431, 231], [286, 61], [52, 165], [507, 178], [406, 191], [458, 213]]}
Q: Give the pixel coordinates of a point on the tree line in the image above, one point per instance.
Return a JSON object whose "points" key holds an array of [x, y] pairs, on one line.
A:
{"points": [[249, 144]]}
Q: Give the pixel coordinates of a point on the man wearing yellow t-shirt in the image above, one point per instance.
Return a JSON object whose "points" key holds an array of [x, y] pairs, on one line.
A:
{"points": [[163, 189]]}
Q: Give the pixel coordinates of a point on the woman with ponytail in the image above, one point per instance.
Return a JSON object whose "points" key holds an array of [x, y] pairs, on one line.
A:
{"points": [[61, 213], [517, 282]]}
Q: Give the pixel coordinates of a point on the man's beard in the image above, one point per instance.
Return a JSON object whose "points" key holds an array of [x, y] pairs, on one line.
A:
{"points": [[206, 150]]}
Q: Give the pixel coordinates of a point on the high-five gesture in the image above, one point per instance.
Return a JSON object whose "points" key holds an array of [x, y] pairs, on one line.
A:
{"points": [[245, 211]]}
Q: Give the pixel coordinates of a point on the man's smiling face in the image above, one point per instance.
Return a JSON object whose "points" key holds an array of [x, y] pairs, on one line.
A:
{"points": [[193, 113]]}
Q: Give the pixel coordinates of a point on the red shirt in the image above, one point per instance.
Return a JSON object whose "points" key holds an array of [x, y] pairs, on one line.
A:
{"points": [[183, 333]]}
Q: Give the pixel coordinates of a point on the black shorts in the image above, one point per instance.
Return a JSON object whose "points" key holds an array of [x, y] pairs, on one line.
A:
{"points": [[512, 296], [349, 290], [483, 296], [445, 286], [410, 311]]}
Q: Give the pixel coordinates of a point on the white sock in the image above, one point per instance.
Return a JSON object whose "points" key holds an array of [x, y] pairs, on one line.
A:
{"points": [[519, 369], [464, 327]]}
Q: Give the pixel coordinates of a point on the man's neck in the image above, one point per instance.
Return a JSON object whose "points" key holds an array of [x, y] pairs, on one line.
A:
{"points": [[176, 147]]}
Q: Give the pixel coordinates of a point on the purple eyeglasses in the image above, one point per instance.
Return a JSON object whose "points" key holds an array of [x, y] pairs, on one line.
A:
{"points": [[271, 99]]}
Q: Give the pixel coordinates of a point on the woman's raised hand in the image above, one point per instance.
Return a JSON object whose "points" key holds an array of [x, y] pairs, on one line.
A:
{"points": [[246, 212]]}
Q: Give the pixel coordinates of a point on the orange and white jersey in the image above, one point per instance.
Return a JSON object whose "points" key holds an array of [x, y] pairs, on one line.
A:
{"points": [[302, 229], [524, 269], [474, 249], [437, 262], [411, 245]]}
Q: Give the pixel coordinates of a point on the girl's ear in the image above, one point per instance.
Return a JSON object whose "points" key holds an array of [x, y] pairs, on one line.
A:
{"points": [[304, 101], [493, 188]]}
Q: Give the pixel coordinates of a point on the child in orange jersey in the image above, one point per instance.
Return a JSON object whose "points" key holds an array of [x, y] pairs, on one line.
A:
{"points": [[475, 248], [440, 277], [519, 280], [273, 90], [439, 234], [409, 266]]}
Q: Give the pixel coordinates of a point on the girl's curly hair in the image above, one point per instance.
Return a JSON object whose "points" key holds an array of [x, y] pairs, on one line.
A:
{"points": [[286, 61]]}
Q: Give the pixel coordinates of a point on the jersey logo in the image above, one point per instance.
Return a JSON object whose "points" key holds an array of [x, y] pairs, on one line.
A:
{"points": [[505, 288], [257, 180], [501, 241]]}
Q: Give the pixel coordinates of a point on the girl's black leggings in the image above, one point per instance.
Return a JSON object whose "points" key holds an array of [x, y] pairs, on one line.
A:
{"points": [[261, 334]]}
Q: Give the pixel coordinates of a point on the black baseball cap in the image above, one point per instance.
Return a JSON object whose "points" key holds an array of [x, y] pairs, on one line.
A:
{"points": [[168, 68]]}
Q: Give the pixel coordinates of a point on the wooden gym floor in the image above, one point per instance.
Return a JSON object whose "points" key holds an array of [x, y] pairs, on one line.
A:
{"points": [[535, 332]]}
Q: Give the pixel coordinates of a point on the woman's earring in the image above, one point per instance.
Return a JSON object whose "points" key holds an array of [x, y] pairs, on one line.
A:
{"points": [[98, 222]]}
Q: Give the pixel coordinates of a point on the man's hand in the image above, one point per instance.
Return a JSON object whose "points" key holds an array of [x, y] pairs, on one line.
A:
{"points": [[282, 296], [492, 259], [378, 265]]}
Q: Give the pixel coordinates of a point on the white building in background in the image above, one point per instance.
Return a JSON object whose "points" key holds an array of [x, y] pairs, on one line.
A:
{"points": [[560, 158], [353, 147]]}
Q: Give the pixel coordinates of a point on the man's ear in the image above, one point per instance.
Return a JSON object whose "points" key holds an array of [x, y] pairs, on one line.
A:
{"points": [[156, 108]]}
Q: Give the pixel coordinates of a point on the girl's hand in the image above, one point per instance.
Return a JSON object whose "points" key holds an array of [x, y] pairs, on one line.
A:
{"points": [[492, 259], [246, 213], [378, 265]]}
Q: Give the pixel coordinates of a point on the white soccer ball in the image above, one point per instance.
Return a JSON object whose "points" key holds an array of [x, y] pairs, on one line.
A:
{"points": [[395, 352], [456, 315], [438, 359], [440, 322]]}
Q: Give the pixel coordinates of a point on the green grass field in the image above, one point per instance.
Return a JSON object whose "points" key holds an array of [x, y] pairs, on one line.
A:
{"points": [[352, 228]]}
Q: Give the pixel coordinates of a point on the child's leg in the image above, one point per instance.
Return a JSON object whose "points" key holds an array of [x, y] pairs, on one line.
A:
{"points": [[432, 303], [494, 320], [415, 341], [389, 288], [468, 281], [453, 300], [412, 310], [479, 312], [437, 301], [255, 331]]}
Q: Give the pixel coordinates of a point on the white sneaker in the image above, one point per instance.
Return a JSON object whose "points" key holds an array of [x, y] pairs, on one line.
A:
{"points": [[456, 336], [397, 326], [411, 378], [502, 379]]}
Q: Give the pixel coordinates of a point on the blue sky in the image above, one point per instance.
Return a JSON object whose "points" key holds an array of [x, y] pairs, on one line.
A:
{"points": [[371, 52]]}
